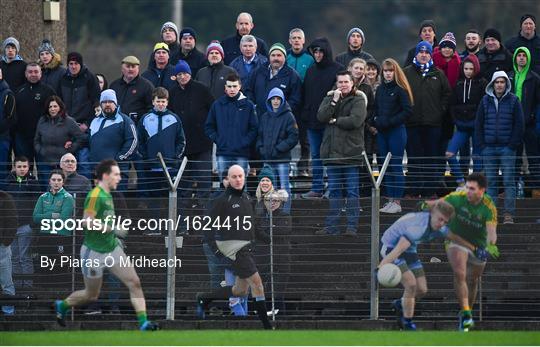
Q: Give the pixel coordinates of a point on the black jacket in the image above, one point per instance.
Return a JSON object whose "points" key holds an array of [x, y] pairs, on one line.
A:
{"points": [[134, 98], [80, 94], [13, 73], [533, 45], [495, 61], [231, 47], [30, 107], [8, 219], [195, 59], [344, 58], [192, 105], [25, 194], [7, 110], [464, 102], [214, 77], [530, 98], [392, 107], [320, 79]]}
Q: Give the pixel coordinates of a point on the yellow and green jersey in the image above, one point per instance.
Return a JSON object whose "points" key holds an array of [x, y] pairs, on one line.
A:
{"points": [[100, 204]]}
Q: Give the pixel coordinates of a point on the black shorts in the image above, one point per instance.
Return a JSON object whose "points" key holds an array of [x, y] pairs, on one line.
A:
{"points": [[244, 265]]}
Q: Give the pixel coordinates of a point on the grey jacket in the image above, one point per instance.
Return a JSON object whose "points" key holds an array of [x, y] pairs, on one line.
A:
{"points": [[51, 136]]}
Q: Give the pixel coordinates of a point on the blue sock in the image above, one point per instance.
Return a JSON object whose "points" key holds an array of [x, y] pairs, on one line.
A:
{"points": [[236, 306], [244, 301]]}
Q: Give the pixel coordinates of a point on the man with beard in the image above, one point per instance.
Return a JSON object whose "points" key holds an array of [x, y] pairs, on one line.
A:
{"points": [[472, 43]]}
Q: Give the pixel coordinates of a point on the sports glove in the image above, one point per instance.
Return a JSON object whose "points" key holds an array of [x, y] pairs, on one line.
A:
{"points": [[422, 206], [493, 250]]}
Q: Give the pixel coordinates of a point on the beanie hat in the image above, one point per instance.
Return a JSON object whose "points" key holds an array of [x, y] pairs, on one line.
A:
{"points": [[11, 41], [182, 66], [356, 30], [215, 46], [267, 172], [170, 25], [525, 17], [493, 33], [46, 46], [423, 46], [108, 95], [448, 41], [161, 45], [188, 31], [75, 56], [279, 46], [427, 23]]}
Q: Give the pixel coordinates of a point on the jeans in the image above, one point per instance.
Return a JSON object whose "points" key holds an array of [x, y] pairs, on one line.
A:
{"points": [[216, 266], [6, 280], [282, 170], [84, 167], [24, 146], [393, 141], [423, 167], [198, 170], [315, 137], [532, 150], [343, 182], [21, 253], [225, 162], [459, 141], [503, 158]]}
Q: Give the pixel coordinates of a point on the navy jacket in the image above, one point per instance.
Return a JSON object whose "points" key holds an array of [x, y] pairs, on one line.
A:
{"points": [[392, 106], [499, 122], [240, 67], [135, 97], [231, 47], [530, 98], [80, 94], [278, 132], [533, 45], [112, 137], [232, 125], [286, 79], [160, 78]]}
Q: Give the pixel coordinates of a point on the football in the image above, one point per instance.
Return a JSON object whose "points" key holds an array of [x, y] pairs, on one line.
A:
{"points": [[389, 275]]}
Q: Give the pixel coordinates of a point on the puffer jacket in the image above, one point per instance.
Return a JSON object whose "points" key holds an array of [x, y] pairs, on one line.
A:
{"points": [[392, 107], [53, 72], [490, 62], [214, 77], [51, 136]]}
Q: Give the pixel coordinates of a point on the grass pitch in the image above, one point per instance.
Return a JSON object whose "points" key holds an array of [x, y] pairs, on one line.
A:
{"points": [[278, 338]]}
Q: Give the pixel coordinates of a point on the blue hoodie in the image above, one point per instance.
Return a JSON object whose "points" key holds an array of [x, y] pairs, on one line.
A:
{"points": [[278, 132]]}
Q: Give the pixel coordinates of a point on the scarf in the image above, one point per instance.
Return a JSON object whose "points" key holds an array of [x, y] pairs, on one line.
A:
{"points": [[424, 68]]}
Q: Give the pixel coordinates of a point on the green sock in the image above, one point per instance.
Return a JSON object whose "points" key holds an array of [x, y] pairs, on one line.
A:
{"points": [[467, 313], [64, 306], [142, 317]]}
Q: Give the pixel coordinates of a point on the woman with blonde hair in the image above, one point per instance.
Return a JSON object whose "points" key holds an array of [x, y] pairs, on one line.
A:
{"points": [[393, 105]]}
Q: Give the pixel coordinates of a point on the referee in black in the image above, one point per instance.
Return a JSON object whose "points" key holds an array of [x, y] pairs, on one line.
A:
{"points": [[231, 236]]}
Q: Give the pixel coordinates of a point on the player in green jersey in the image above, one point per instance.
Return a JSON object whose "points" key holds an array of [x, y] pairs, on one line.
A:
{"points": [[100, 249]]}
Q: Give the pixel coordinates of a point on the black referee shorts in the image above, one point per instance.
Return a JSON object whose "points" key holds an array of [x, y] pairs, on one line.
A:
{"points": [[244, 265]]}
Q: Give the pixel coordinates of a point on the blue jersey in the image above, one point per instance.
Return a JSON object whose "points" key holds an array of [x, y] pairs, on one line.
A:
{"points": [[415, 228]]}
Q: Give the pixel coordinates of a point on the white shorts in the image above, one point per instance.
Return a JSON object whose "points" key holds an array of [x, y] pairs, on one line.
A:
{"points": [[93, 263], [471, 259]]}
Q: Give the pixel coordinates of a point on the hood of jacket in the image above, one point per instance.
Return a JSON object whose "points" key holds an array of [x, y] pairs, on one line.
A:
{"points": [[489, 88], [527, 53], [17, 57], [325, 46], [471, 58], [276, 92]]}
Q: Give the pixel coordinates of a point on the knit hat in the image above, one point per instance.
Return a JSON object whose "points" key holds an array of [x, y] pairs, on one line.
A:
{"points": [[11, 41], [182, 66], [170, 25], [448, 41], [108, 95], [525, 17], [267, 172], [279, 46], [423, 46], [75, 56], [427, 23], [161, 45], [46, 46], [215, 46], [356, 30], [189, 32], [493, 33]]}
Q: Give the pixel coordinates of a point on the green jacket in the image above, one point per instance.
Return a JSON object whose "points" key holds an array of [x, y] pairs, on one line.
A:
{"points": [[343, 141], [47, 204]]}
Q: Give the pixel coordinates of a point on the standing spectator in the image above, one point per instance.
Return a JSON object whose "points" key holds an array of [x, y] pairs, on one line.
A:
{"points": [[298, 58], [320, 78], [499, 131], [51, 65], [494, 56], [231, 45], [113, 135], [8, 228], [102, 82], [214, 75], [7, 119], [56, 135], [22, 185], [446, 58], [344, 112], [464, 102], [30, 98], [526, 86], [355, 41], [527, 38], [373, 74], [189, 52], [249, 61], [278, 135], [232, 125], [134, 92], [431, 93], [393, 106], [191, 101], [160, 71], [12, 64], [169, 35], [73, 183], [427, 34], [472, 43]]}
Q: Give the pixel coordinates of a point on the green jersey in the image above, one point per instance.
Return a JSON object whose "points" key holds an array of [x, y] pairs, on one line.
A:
{"points": [[99, 203], [470, 220]]}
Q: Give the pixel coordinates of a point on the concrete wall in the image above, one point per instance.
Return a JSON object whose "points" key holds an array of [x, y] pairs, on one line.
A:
{"points": [[23, 19]]}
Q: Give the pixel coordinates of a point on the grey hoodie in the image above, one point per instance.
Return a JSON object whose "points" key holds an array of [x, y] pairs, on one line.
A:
{"points": [[490, 87]]}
